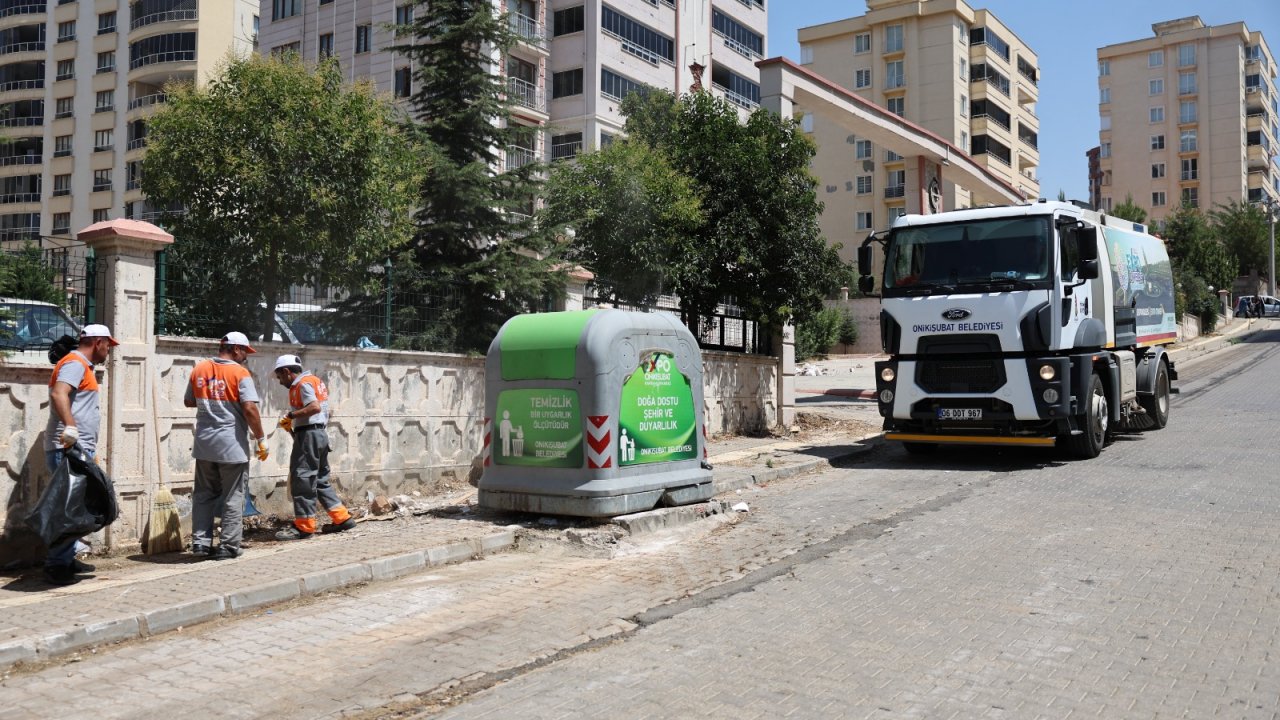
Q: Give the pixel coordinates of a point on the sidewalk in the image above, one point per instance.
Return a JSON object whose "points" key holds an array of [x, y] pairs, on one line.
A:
{"points": [[141, 596]]}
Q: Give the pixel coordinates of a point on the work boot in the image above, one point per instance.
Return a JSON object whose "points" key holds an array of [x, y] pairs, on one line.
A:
{"points": [[222, 552], [201, 550], [61, 575], [339, 527], [82, 567], [293, 533]]}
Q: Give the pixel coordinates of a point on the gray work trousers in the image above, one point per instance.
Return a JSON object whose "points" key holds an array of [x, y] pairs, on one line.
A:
{"points": [[309, 473], [219, 490]]}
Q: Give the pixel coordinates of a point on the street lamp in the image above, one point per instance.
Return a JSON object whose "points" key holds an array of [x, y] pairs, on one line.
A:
{"points": [[1270, 205]]}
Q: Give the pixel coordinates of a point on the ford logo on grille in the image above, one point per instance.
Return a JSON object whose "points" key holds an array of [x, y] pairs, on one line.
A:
{"points": [[955, 314]]}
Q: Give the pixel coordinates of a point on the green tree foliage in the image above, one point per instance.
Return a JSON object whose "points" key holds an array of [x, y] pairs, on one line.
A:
{"points": [[848, 329], [474, 234], [631, 212], [816, 335], [25, 274], [1129, 210], [1242, 228], [1200, 261], [289, 176]]}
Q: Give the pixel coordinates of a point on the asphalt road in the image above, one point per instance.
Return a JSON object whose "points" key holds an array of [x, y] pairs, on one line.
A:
{"points": [[978, 583]]}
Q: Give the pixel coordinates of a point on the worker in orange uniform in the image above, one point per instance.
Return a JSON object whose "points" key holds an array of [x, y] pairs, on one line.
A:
{"points": [[309, 462]]}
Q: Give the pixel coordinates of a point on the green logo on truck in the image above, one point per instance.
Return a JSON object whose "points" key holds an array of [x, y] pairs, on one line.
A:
{"points": [[656, 419]]}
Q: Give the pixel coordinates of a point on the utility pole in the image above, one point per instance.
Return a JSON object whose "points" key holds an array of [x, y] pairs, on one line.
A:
{"points": [[1270, 205]]}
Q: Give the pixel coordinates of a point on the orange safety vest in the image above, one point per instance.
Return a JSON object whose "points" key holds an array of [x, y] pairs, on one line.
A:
{"points": [[217, 381], [295, 391], [87, 383]]}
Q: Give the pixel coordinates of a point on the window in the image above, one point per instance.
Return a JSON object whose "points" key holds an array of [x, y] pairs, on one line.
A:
{"points": [[1104, 96], [891, 156], [606, 139], [364, 35], [1187, 142], [896, 105], [568, 21], [1104, 122], [106, 61], [806, 54], [892, 38], [106, 22], [566, 146], [617, 87], [1191, 197], [1156, 114], [564, 84], [62, 146], [893, 77], [1155, 58], [862, 149], [104, 101], [103, 140], [102, 179], [292, 48], [806, 122], [637, 38], [864, 220], [964, 106], [66, 69], [1190, 169], [862, 78], [1155, 87], [326, 45], [1157, 170], [1106, 178], [404, 14], [1158, 199], [281, 9], [738, 37], [101, 214], [864, 185], [896, 212], [895, 184], [964, 139], [61, 222], [67, 31], [403, 82], [64, 107], [1187, 111], [1070, 252], [861, 43], [1186, 55], [1186, 83], [964, 69], [1157, 142], [61, 185], [1104, 68], [1105, 150]]}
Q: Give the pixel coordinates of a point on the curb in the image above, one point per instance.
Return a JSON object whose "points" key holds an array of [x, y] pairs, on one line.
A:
{"points": [[843, 392], [744, 479]]}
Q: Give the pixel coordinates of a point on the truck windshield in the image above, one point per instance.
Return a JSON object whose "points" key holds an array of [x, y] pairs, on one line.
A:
{"points": [[995, 254]]}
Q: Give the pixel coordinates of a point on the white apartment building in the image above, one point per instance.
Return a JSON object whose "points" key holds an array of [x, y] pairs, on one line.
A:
{"points": [[1188, 115], [575, 60], [78, 79]]}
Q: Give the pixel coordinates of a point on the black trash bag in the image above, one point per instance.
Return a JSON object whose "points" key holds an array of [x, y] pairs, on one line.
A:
{"points": [[61, 347], [79, 500]]}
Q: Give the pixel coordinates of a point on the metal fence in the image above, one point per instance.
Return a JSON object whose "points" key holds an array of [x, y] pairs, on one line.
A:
{"points": [[725, 330], [54, 287]]}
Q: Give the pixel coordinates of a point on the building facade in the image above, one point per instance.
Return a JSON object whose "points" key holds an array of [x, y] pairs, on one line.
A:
{"points": [[78, 79], [574, 62], [955, 71], [1188, 115]]}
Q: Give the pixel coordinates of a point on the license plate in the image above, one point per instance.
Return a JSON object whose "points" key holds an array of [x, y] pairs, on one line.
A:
{"points": [[959, 413]]}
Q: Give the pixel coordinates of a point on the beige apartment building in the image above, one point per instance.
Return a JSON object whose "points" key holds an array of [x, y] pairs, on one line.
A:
{"points": [[574, 62], [78, 78], [1188, 115], [957, 72]]}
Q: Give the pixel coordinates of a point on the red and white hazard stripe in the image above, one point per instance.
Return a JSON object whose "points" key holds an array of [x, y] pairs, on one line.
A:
{"points": [[488, 438], [599, 442]]}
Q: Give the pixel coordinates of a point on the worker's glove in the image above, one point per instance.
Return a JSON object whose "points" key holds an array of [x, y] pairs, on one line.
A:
{"points": [[69, 436], [262, 450], [286, 423]]}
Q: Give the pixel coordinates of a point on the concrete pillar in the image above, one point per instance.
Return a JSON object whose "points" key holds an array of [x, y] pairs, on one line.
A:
{"points": [[785, 347], [126, 262], [1224, 296]]}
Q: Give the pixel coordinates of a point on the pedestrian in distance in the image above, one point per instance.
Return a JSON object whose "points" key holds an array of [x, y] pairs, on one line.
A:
{"points": [[74, 418], [226, 402], [309, 461]]}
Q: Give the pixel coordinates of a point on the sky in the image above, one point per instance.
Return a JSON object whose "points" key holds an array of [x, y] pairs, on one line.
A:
{"points": [[1065, 35]]}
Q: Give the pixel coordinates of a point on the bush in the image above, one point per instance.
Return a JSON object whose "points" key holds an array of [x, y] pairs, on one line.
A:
{"points": [[815, 337], [848, 329], [1200, 301]]}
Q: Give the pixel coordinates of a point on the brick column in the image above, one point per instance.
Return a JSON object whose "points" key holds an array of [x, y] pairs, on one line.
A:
{"points": [[126, 261]]}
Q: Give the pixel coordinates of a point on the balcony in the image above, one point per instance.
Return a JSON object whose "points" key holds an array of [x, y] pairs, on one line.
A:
{"points": [[738, 99], [1259, 157], [21, 47], [1256, 98], [518, 157], [895, 191], [14, 198], [22, 85], [526, 94], [163, 16], [20, 233], [30, 8], [136, 144], [22, 121], [528, 30], [148, 100]]}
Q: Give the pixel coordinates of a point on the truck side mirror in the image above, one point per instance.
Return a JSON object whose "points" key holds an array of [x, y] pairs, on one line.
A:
{"points": [[864, 261], [1088, 269], [866, 284], [1087, 244]]}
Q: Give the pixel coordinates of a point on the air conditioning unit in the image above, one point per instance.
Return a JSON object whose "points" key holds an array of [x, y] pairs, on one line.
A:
{"points": [[868, 165]]}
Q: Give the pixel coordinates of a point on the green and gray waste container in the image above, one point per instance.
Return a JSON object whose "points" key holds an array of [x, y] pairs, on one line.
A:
{"points": [[593, 413]]}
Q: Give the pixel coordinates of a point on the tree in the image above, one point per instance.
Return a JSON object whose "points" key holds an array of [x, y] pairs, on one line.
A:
{"points": [[816, 335], [473, 234], [1129, 210], [1199, 262], [1242, 229], [288, 177], [25, 274]]}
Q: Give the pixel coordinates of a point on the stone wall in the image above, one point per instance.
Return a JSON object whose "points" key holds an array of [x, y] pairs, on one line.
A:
{"points": [[866, 314]]}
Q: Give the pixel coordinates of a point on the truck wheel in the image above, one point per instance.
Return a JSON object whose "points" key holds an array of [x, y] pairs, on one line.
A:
{"points": [[1094, 422], [1157, 406]]}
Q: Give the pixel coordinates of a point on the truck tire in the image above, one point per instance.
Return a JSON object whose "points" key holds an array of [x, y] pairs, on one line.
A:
{"points": [[1095, 422], [1157, 406]]}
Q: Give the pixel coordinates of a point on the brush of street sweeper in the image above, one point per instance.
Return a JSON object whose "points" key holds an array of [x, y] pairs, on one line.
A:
{"points": [[164, 532]]}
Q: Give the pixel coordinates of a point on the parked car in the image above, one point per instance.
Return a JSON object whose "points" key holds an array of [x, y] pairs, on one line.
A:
{"points": [[32, 324], [302, 324], [1270, 306]]}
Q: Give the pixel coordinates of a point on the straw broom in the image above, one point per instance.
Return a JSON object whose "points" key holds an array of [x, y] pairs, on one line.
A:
{"points": [[164, 533]]}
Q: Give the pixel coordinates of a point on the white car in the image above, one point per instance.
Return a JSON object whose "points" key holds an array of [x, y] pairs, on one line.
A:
{"points": [[32, 324], [1270, 306]]}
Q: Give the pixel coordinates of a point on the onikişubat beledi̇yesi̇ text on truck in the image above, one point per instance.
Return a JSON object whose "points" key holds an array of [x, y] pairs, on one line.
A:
{"points": [[1022, 325]]}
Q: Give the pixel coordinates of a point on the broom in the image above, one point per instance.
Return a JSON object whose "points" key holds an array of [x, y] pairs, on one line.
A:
{"points": [[164, 533]]}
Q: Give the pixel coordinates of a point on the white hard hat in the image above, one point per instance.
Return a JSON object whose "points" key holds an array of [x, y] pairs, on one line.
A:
{"points": [[288, 361]]}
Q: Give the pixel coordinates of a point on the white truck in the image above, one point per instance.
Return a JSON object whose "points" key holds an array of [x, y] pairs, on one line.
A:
{"points": [[1022, 325]]}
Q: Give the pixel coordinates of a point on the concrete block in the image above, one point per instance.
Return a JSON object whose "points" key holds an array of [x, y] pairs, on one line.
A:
{"points": [[395, 566], [662, 518], [87, 636], [183, 615], [730, 480], [324, 580], [497, 541], [17, 650], [451, 553], [262, 595]]}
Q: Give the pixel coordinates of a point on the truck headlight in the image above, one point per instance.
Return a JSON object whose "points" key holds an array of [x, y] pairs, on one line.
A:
{"points": [[1048, 372], [1050, 396], [887, 374]]}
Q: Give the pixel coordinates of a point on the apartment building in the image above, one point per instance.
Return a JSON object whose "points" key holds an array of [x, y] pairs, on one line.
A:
{"points": [[1188, 115], [573, 64], [956, 71], [78, 78]]}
